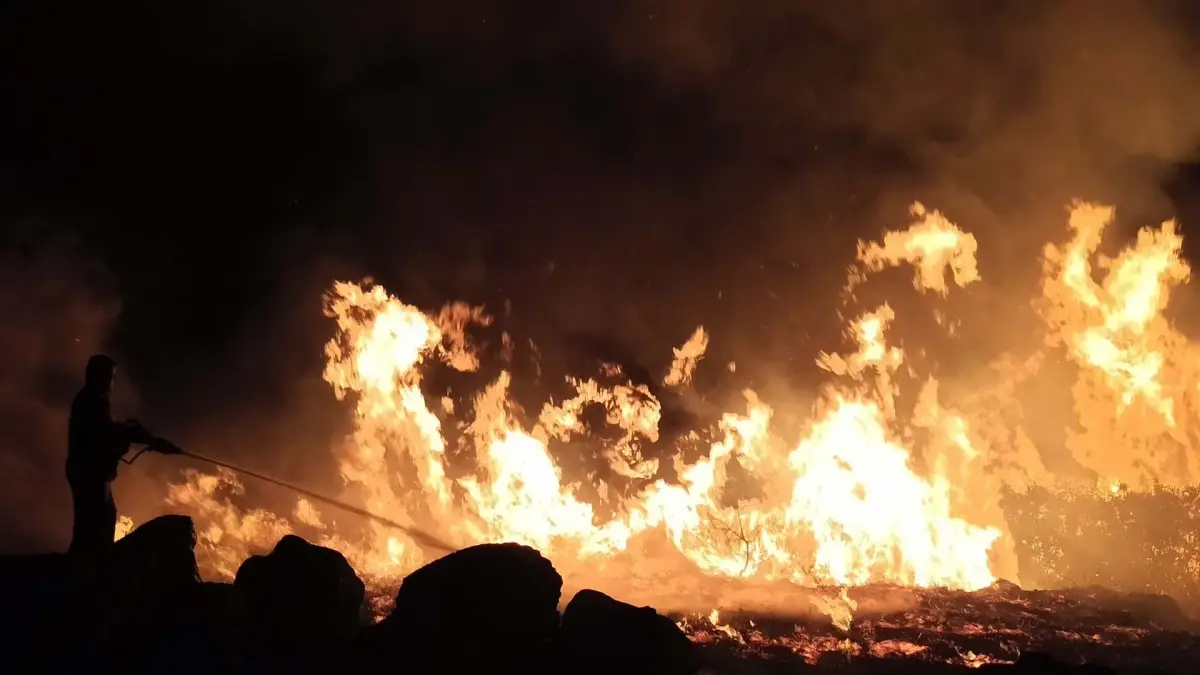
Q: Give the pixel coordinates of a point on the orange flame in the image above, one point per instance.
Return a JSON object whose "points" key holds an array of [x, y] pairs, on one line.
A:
{"points": [[851, 500]]}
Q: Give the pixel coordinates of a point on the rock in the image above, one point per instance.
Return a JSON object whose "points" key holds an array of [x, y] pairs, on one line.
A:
{"points": [[301, 594], [491, 608], [160, 555], [603, 635], [151, 572], [115, 607]]}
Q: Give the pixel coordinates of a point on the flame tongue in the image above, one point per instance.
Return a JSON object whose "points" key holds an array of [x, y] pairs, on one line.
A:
{"points": [[1134, 362], [842, 505]]}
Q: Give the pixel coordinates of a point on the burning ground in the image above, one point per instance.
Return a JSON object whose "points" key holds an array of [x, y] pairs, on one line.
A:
{"points": [[996, 625], [886, 522]]}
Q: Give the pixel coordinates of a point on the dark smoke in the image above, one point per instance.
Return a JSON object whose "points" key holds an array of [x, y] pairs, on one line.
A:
{"points": [[613, 168]]}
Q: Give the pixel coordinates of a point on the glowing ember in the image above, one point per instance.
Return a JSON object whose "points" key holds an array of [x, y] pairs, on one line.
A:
{"points": [[995, 625], [854, 499]]}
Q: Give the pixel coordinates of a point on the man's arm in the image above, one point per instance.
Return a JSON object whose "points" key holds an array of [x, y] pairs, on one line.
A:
{"points": [[94, 428], [136, 433]]}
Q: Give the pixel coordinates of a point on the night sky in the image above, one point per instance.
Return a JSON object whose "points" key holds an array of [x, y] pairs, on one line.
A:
{"points": [[180, 182]]}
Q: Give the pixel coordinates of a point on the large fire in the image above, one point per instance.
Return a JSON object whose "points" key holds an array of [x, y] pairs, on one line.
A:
{"points": [[865, 494]]}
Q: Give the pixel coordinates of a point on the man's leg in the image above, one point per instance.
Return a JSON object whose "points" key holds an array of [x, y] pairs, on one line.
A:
{"points": [[80, 497], [95, 517], [109, 513]]}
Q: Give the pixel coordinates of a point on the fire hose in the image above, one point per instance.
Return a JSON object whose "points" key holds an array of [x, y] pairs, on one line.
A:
{"points": [[422, 538]]}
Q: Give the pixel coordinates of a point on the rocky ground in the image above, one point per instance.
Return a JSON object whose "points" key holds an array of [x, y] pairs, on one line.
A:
{"points": [[498, 609]]}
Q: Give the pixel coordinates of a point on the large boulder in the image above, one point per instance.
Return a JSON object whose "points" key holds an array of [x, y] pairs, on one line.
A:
{"points": [[603, 635], [126, 600], [151, 574], [159, 556], [491, 608], [301, 594]]}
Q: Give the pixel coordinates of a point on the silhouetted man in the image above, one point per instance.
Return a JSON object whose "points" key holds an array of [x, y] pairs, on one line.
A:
{"points": [[95, 446]]}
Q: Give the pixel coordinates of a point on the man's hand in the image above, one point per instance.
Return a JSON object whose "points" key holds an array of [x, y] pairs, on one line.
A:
{"points": [[165, 447]]}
